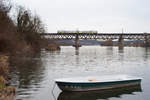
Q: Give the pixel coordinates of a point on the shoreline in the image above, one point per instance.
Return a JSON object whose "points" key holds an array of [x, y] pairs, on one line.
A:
{"points": [[7, 92]]}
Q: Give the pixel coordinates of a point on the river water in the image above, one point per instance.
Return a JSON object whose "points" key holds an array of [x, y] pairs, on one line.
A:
{"points": [[34, 76]]}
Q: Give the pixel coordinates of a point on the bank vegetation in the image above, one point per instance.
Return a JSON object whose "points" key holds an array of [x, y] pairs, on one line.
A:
{"points": [[18, 36], [21, 34], [6, 92]]}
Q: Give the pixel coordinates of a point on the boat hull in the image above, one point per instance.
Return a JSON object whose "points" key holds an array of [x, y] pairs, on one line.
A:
{"points": [[70, 86], [99, 94]]}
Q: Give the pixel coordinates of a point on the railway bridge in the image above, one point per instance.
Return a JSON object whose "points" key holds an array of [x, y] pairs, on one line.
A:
{"points": [[102, 36]]}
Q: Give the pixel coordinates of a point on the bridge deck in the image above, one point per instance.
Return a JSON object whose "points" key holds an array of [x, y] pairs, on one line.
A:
{"points": [[104, 36], [95, 34]]}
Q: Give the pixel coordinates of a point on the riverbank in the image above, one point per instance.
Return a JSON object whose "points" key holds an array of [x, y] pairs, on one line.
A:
{"points": [[134, 43], [6, 92]]}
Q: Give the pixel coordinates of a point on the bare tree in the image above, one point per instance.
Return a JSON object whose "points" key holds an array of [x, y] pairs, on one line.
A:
{"points": [[29, 26], [26, 22]]}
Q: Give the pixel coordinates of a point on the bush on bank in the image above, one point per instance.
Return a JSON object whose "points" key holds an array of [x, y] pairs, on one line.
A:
{"points": [[29, 26], [6, 92]]}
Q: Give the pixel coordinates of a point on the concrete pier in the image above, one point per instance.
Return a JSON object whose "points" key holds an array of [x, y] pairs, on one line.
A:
{"points": [[121, 42], [77, 44], [146, 40]]}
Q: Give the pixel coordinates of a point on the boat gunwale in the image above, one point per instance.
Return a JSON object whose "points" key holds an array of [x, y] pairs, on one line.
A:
{"points": [[92, 82]]}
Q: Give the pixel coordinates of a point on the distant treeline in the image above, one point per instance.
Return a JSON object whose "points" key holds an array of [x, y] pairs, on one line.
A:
{"points": [[20, 34]]}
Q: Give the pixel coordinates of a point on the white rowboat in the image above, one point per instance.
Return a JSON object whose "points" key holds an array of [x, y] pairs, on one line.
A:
{"points": [[96, 82]]}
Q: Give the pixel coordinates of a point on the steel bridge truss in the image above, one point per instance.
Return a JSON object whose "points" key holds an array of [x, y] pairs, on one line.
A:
{"points": [[101, 36]]}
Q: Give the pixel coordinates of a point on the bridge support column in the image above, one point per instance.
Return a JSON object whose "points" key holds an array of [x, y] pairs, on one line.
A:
{"points": [[121, 42], [146, 41], [76, 45]]}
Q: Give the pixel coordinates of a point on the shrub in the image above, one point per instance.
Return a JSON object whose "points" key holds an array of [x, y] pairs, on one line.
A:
{"points": [[29, 26], [3, 65], [3, 70], [8, 34], [2, 82]]}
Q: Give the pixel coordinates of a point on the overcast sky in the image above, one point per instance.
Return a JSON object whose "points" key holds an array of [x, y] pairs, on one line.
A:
{"points": [[100, 15]]}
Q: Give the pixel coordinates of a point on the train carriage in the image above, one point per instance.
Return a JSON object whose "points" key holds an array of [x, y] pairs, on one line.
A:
{"points": [[77, 32]]}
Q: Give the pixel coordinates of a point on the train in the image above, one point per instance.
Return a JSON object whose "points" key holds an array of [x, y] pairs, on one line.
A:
{"points": [[77, 32]]}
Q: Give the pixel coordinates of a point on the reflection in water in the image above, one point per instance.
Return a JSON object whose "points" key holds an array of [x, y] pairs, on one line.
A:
{"points": [[76, 48], [34, 76], [95, 95], [109, 50], [76, 52], [147, 50], [120, 50], [121, 47], [29, 71], [54, 52]]}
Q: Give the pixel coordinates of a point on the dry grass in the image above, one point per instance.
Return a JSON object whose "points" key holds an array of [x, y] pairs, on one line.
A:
{"points": [[3, 70], [6, 93], [4, 65], [2, 82]]}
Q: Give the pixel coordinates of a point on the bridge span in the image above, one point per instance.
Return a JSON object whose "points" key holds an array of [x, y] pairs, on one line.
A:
{"points": [[102, 36]]}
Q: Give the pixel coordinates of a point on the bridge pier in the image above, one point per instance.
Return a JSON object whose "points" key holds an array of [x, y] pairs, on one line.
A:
{"points": [[121, 42], [146, 41], [76, 45]]}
